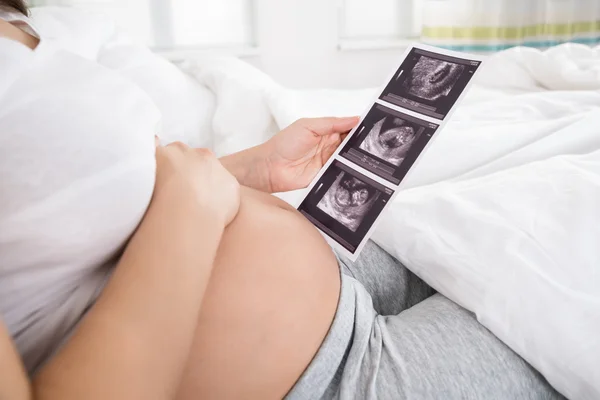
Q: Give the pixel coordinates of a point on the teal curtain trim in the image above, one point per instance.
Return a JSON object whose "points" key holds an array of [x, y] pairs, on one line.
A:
{"points": [[541, 44]]}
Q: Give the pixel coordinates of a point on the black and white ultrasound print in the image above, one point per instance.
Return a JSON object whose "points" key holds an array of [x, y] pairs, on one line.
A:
{"points": [[350, 193], [432, 79], [345, 205], [388, 142], [430, 82], [349, 200], [390, 139]]}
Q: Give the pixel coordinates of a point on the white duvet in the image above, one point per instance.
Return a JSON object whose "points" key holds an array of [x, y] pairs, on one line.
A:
{"points": [[501, 215]]}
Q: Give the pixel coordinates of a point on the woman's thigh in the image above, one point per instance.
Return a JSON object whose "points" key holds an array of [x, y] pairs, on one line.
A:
{"points": [[438, 350]]}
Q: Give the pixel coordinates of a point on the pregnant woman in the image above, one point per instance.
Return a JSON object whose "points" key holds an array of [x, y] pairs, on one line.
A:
{"points": [[134, 271]]}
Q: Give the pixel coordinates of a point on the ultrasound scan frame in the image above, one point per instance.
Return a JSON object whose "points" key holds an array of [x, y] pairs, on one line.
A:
{"points": [[376, 163], [339, 232], [452, 75]]}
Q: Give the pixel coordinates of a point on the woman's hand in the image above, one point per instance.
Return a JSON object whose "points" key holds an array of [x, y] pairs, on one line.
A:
{"points": [[197, 175], [295, 155], [292, 158]]}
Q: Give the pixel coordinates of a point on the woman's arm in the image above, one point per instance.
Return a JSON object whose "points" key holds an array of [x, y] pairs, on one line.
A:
{"points": [[135, 341], [13, 380], [292, 158], [10, 31], [250, 167]]}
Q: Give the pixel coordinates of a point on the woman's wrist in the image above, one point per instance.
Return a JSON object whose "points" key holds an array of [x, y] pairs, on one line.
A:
{"points": [[250, 167]]}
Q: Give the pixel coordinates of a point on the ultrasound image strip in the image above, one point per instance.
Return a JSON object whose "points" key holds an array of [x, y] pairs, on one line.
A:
{"points": [[388, 142], [344, 204], [430, 83]]}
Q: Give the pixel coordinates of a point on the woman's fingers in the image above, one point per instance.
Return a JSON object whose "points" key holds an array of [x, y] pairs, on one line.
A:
{"points": [[331, 146], [329, 125]]}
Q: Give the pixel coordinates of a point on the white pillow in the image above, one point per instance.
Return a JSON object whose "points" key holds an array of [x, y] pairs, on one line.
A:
{"points": [[187, 107]]}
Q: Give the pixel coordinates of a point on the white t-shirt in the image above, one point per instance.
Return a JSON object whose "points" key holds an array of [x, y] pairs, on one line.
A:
{"points": [[77, 171]]}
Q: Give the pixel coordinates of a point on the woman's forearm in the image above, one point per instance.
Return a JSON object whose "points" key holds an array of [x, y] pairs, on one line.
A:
{"points": [[250, 168], [135, 341]]}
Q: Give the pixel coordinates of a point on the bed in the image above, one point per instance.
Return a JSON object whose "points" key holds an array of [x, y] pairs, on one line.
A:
{"points": [[501, 214]]}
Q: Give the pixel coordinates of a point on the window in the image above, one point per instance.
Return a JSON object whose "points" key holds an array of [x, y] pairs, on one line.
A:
{"points": [[378, 22], [177, 24]]}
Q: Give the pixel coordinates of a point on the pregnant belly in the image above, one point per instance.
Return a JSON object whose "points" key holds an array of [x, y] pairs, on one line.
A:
{"points": [[269, 305]]}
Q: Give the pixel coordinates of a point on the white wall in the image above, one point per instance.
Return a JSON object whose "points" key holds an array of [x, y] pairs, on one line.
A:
{"points": [[298, 42]]}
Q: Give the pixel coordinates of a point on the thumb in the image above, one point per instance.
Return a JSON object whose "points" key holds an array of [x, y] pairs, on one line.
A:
{"points": [[330, 125]]}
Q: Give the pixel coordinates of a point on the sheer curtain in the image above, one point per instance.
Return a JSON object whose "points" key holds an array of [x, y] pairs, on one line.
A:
{"points": [[491, 25], [176, 24]]}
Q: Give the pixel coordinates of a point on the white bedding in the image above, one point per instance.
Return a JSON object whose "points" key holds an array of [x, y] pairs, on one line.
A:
{"points": [[501, 215]]}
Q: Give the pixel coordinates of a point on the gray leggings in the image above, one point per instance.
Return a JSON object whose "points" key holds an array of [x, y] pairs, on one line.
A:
{"points": [[393, 337]]}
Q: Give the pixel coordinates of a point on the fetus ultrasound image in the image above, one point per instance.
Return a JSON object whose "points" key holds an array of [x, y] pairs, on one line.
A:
{"points": [[390, 139], [429, 83], [344, 204], [432, 79], [348, 200], [388, 142]]}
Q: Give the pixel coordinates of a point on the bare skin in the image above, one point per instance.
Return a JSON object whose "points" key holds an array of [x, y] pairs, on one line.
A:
{"points": [[10, 31]]}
